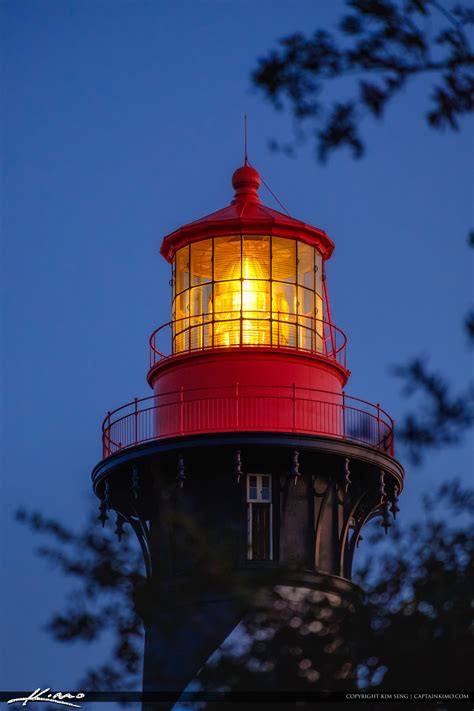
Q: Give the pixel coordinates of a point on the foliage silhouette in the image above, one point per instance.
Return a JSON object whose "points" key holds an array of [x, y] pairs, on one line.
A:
{"points": [[381, 45], [442, 418], [413, 630], [108, 574]]}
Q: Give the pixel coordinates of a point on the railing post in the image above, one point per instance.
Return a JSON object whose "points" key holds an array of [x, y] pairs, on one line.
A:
{"points": [[237, 404], [107, 451], [343, 415], [378, 425], [181, 413], [136, 420], [294, 407], [333, 341]]}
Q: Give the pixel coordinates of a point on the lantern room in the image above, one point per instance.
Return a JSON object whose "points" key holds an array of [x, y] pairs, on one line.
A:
{"points": [[253, 290], [249, 276]]}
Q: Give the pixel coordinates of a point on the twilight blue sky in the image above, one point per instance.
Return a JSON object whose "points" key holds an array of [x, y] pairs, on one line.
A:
{"points": [[123, 120]]}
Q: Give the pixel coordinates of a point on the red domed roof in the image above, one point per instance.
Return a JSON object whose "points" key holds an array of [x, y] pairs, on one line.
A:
{"points": [[246, 215]]}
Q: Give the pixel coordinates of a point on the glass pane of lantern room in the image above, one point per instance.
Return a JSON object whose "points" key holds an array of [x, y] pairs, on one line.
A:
{"points": [[227, 312], [318, 272], [181, 322], [319, 330], [201, 262], [227, 258], [200, 297], [306, 322], [255, 257], [306, 265], [284, 309], [319, 309], [182, 270], [255, 299], [284, 259], [255, 332], [227, 302], [255, 312]]}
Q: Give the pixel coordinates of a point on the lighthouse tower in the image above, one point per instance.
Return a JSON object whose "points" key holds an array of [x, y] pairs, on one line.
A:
{"points": [[249, 467]]}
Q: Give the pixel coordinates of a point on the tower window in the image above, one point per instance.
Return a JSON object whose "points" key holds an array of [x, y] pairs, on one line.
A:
{"points": [[259, 517]]}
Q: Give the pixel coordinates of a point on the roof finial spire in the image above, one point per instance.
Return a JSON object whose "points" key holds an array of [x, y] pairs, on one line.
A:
{"points": [[246, 158], [246, 182]]}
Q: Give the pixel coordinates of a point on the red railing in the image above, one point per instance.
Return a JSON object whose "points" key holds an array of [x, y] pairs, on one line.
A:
{"points": [[248, 329], [258, 408]]}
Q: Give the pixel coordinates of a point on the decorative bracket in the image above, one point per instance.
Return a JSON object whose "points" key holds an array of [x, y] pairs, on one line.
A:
{"points": [[237, 465], [295, 468], [135, 518], [384, 504], [119, 521], [103, 511], [347, 474], [394, 507], [181, 475], [136, 488], [142, 531]]}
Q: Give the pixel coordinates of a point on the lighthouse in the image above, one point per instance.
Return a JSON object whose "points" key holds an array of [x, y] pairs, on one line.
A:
{"points": [[249, 471]]}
